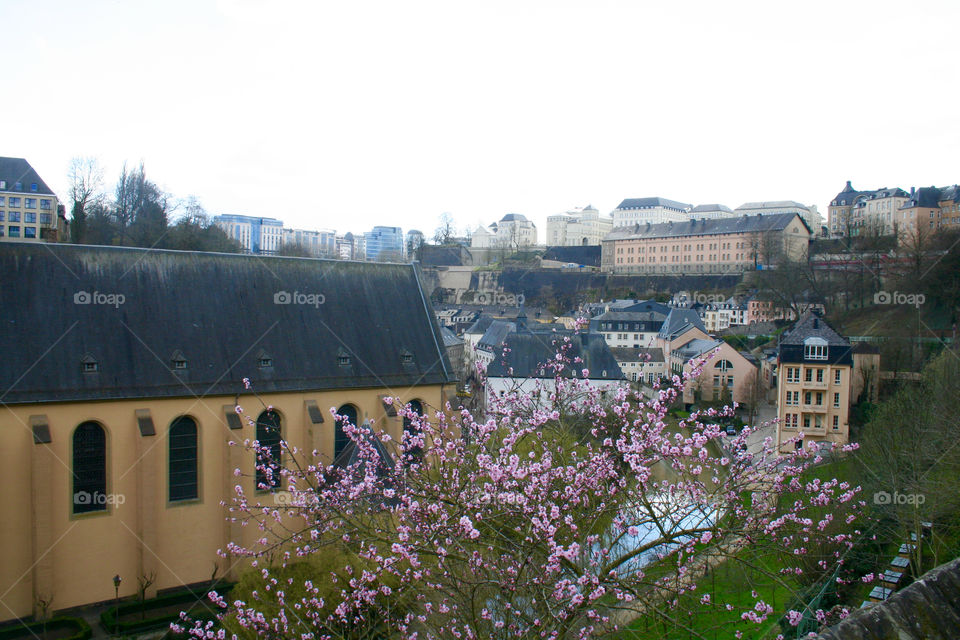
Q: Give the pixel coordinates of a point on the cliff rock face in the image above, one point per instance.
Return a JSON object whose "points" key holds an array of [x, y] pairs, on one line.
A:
{"points": [[929, 609]]}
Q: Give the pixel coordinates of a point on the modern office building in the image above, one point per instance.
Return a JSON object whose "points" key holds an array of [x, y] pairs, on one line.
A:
{"points": [[261, 236], [384, 244], [320, 243]]}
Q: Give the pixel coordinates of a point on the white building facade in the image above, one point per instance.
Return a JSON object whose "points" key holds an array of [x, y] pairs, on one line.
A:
{"points": [[578, 227], [513, 231], [653, 210], [810, 215], [322, 242], [262, 236]]}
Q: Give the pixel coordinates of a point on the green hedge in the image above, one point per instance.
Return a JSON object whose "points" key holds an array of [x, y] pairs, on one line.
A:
{"points": [[82, 630], [108, 619]]}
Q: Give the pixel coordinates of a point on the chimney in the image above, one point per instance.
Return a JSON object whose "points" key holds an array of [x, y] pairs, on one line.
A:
{"points": [[521, 320]]}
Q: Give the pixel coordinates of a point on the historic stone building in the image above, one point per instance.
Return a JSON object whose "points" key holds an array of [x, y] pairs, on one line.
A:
{"points": [[122, 369], [716, 246], [578, 227]]}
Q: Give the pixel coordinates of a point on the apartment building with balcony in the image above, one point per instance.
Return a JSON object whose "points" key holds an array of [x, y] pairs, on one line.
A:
{"points": [[28, 207], [813, 384]]}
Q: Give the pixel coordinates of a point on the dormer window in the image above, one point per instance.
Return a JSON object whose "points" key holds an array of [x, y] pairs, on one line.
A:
{"points": [[815, 349], [343, 359], [89, 364], [264, 361], [178, 361], [406, 357]]}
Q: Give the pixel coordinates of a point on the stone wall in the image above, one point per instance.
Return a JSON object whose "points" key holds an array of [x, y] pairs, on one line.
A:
{"points": [[929, 609]]}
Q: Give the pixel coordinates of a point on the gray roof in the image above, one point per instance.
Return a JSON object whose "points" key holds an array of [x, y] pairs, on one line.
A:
{"points": [[696, 348], [496, 333], [811, 325], [634, 316], [930, 197], [772, 204], [649, 203], [14, 170], [628, 305], [527, 352], [717, 226], [486, 318], [219, 311], [849, 195], [586, 255], [513, 217], [627, 354], [678, 321], [706, 208], [480, 326], [449, 338]]}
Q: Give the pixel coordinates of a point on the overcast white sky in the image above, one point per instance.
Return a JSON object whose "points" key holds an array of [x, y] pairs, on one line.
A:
{"points": [[349, 114]]}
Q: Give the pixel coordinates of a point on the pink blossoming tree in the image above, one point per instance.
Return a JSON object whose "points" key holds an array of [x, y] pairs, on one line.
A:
{"points": [[549, 518]]}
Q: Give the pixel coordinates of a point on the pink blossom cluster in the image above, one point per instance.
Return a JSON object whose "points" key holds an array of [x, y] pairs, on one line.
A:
{"points": [[543, 523]]}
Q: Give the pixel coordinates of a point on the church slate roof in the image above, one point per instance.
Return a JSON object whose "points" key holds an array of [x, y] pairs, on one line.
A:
{"points": [[228, 316]]}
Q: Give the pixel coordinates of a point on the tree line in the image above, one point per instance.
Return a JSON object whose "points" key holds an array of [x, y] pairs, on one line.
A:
{"points": [[137, 213]]}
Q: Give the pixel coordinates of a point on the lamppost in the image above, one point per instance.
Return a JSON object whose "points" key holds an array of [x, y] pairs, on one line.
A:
{"points": [[116, 602]]}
